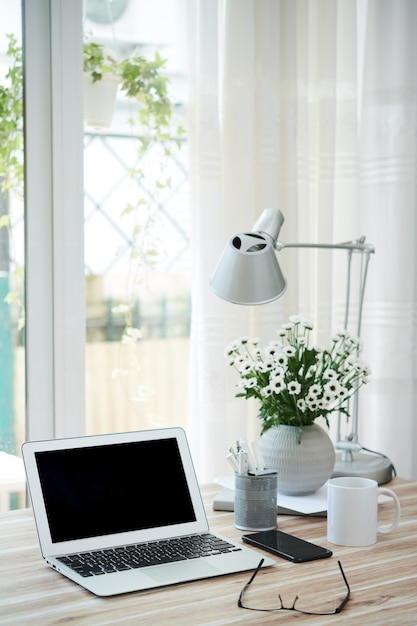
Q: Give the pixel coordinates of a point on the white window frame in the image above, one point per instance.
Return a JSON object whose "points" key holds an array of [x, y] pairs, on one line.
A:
{"points": [[54, 250]]}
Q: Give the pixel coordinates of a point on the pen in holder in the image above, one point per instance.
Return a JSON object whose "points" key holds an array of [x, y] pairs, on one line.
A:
{"points": [[256, 501]]}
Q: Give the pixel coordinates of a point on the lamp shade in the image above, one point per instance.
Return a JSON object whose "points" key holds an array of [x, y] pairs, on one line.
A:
{"points": [[248, 271]]}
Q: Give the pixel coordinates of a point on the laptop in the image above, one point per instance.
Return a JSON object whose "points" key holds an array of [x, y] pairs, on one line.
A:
{"points": [[123, 512]]}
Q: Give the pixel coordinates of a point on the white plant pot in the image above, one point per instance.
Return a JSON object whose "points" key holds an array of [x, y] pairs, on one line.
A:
{"points": [[302, 467], [99, 100]]}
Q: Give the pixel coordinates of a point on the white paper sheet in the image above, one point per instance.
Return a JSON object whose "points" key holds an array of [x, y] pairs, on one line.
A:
{"points": [[314, 503], [306, 505]]}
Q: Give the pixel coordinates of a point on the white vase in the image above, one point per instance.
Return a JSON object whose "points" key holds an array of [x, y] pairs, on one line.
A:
{"points": [[302, 467]]}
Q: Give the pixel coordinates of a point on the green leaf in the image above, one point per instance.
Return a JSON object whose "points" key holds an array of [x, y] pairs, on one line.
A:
{"points": [[4, 221]]}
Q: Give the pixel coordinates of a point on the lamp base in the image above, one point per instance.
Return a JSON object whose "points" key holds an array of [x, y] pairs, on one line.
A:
{"points": [[372, 466]]}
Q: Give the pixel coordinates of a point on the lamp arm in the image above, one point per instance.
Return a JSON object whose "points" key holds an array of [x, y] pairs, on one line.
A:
{"points": [[357, 244], [350, 444]]}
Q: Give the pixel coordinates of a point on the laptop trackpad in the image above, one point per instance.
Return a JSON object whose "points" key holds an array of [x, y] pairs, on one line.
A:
{"points": [[183, 570]]}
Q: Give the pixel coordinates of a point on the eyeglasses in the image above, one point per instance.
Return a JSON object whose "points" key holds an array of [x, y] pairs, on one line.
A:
{"points": [[254, 604]]}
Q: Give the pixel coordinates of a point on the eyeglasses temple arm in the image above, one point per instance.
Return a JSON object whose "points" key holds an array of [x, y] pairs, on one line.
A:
{"points": [[339, 608], [239, 602], [255, 572]]}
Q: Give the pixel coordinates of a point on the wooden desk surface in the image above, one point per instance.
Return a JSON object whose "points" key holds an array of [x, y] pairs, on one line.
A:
{"points": [[383, 579]]}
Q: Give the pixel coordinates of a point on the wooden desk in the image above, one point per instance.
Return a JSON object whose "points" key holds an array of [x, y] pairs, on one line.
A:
{"points": [[383, 580]]}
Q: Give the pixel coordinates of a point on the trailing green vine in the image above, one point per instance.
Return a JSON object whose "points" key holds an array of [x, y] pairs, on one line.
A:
{"points": [[151, 122], [11, 155], [11, 121]]}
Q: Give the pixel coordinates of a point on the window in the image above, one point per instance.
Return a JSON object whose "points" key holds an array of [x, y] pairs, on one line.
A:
{"points": [[73, 294], [12, 314], [136, 230]]}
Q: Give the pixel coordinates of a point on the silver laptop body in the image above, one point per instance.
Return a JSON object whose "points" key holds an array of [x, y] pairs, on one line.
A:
{"points": [[107, 493]]}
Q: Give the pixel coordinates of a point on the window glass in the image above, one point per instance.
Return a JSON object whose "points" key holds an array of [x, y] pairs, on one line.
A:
{"points": [[136, 220], [12, 350]]}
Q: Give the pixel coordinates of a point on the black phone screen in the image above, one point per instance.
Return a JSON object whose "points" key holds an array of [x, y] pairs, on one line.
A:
{"points": [[287, 546]]}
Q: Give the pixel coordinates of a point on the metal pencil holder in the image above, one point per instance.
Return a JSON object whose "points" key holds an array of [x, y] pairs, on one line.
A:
{"points": [[256, 501]]}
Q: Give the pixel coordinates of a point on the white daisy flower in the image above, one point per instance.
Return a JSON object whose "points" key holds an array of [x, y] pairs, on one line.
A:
{"points": [[355, 342], [249, 383], [294, 387], [312, 403], [315, 390], [289, 350], [232, 347], [361, 367], [281, 359], [246, 368], [330, 374], [343, 393], [301, 404], [270, 350], [278, 371], [332, 387], [277, 384]]}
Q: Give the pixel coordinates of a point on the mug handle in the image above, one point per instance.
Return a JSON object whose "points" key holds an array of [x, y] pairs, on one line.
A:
{"points": [[389, 527]]}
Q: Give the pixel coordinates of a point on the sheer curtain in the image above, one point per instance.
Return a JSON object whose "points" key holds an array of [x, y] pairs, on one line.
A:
{"points": [[309, 106]]}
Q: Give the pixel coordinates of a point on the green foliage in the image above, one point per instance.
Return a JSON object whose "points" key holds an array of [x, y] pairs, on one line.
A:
{"points": [[296, 384], [151, 120], [142, 80], [4, 221], [11, 154], [97, 62], [11, 121]]}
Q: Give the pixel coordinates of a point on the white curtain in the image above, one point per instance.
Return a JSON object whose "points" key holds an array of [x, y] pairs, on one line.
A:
{"points": [[309, 106]]}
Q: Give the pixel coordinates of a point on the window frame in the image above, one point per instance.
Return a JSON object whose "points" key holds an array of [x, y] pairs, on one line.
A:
{"points": [[54, 208]]}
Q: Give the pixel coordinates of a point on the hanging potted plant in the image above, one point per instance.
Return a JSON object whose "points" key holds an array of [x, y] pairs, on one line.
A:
{"points": [[295, 385], [101, 81], [140, 79]]}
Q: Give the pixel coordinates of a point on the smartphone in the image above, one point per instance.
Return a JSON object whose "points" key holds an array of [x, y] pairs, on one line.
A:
{"points": [[287, 546]]}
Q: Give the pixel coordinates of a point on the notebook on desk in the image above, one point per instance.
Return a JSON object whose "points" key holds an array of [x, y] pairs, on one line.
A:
{"points": [[123, 512]]}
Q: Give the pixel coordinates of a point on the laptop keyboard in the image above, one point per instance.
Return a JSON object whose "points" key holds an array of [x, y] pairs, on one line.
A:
{"points": [[146, 554]]}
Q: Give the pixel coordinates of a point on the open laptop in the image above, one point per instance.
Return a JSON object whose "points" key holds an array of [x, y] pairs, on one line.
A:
{"points": [[123, 512]]}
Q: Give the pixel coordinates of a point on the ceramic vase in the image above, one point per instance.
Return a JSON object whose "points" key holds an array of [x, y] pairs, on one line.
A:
{"points": [[303, 467]]}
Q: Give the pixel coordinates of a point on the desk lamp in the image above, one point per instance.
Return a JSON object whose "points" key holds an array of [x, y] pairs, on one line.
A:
{"points": [[248, 273]]}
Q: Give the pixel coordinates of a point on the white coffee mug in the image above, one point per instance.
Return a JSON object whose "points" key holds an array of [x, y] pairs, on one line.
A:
{"points": [[352, 511]]}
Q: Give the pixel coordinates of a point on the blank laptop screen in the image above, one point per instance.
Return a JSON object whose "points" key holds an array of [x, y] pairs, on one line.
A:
{"points": [[103, 490]]}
